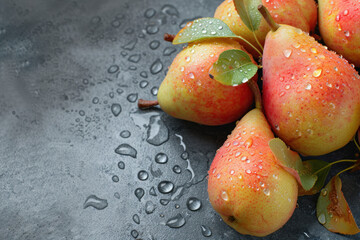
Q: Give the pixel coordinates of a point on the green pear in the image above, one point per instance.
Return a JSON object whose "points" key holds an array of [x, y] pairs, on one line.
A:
{"points": [[339, 26], [246, 185], [311, 95]]}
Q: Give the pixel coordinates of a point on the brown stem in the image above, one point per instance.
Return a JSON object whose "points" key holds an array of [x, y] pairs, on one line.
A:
{"points": [[169, 37], [144, 104], [256, 91], [266, 15]]}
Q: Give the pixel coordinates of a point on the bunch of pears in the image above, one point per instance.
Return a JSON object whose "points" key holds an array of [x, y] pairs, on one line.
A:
{"points": [[310, 99]]}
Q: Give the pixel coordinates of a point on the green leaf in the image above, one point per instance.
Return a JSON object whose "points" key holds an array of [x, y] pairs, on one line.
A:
{"points": [[292, 163], [312, 166], [333, 211], [249, 14], [203, 28], [233, 67]]}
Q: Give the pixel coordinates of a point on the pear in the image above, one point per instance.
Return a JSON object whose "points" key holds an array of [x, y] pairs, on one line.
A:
{"points": [[298, 13], [246, 185], [339, 26], [311, 95], [188, 92]]}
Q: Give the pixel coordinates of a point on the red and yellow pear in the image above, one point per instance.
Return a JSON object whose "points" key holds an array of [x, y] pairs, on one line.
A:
{"points": [[339, 26], [188, 92], [246, 185], [299, 13], [311, 95]]}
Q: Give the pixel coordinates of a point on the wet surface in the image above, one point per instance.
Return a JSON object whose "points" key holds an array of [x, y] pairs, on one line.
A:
{"points": [[78, 159]]}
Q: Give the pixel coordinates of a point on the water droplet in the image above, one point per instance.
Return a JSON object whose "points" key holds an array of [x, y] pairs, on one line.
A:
{"points": [[136, 219], [115, 23], [144, 83], [95, 202], [185, 155], [154, 91], [156, 67], [119, 91], [308, 86], [296, 45], [126, 150], [152, 29], [248, 143], [191, 75], [337, 18], [277, 128], [176, 222], [287, 53], [347, 34], [243, 158], [313, 50], [95, 19], [165, 187], [317, 72], [130, 45], [116, 109], [134, 233], [149, 13], [346, 12], [154, 44], [125, 134], [161, 158], [224, 196], [132, 97], [121, 165], [168, 51], [206, 231], [187, 59], [323, 192], [157, 132], [139, 193], [248, 171], [266, 192], [322, 218], [193, 204], [117, 195], [152, 192], [135, 58], [113, 69], [149, 207], [115, 178], [309, 131], [164, 202], [143, 175], [177, 169]]}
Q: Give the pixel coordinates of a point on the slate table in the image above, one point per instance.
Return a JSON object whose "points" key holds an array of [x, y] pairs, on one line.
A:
{"points": [[78, 160]]}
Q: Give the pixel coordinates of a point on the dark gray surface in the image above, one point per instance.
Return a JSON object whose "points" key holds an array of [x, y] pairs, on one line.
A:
{"points": [[63, 64]]}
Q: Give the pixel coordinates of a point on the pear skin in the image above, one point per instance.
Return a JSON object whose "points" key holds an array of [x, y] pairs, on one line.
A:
{"points": [[311, 95], [246, 186], [298, 13], [339, 26], [188, 92]]}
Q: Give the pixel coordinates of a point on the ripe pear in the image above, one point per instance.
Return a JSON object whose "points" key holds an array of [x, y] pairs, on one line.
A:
{"points": [[339, 26], [298, 13], [188, 92], [246, 186], [311, 95]]}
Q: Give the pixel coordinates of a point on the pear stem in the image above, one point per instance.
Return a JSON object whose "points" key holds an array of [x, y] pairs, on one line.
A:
{"points": [[169, 37], [257, 94], [144, 104], [266, 15]]}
